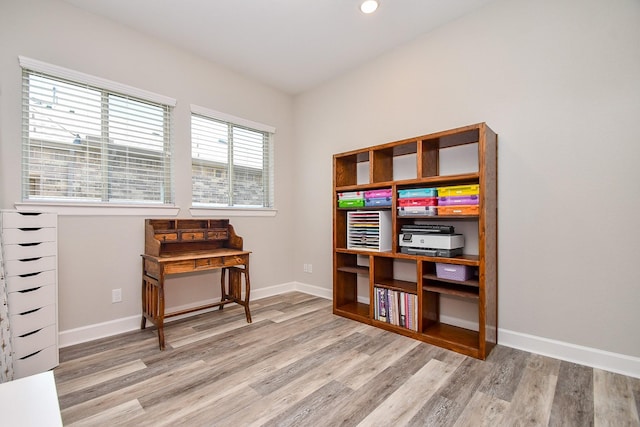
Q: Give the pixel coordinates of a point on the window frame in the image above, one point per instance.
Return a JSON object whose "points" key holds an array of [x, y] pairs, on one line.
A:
{"points": [[85, 207], [208, 210]]}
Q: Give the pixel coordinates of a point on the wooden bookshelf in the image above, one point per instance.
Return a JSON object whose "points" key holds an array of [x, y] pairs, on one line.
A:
{"points": [[357, 273]]}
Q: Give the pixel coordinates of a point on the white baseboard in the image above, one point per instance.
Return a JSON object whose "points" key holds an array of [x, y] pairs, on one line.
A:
{"points": [[314, 290], [600, 359], [270, 291], [588, 356]]}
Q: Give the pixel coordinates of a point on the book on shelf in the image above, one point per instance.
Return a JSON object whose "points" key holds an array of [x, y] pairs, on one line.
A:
{"points": [[396, 308]]}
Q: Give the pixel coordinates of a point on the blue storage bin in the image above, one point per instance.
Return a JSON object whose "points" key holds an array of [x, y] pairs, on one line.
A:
{"points": [[378, 201], [417, 192]]}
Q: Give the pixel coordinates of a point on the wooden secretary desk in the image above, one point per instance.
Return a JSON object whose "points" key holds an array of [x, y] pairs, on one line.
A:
{"points": [[186, 245]]}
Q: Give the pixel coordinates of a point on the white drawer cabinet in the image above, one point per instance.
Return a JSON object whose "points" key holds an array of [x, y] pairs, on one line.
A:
{"points": [[31, 299], [26, 236], [35, 363], [34, 341], [31, 281], [29, 220], [22, 267], [32, 320], [30, 252]]}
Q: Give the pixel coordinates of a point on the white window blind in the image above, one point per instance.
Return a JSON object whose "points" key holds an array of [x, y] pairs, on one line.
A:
{"points": [[84, 143], [232, 162]]}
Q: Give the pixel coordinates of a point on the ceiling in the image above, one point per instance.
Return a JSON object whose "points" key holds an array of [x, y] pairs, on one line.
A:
{"points": [[292, 45]]}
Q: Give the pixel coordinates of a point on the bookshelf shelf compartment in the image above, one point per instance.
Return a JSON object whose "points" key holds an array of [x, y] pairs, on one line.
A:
{"points": [[453, 337], [451, 289], [365, 267], [362, 270], [398, 285], [434, 278], [356, 310]]}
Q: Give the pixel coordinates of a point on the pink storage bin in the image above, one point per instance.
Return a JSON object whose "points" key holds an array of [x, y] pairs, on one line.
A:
{"points": [[378, 194]]}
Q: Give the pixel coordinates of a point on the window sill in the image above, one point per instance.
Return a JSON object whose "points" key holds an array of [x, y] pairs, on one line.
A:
{"points": [[226, 212], [66, 209], [76, 209]]}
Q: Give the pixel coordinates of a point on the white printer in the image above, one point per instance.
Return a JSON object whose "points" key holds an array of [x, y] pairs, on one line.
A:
{"points": [[430, 242]]}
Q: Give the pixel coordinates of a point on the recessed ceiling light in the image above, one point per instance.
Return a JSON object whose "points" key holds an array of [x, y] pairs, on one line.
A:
{"points": [[369, 6]]}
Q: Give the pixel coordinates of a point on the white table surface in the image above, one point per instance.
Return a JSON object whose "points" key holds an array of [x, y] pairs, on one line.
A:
{"points": [[30, 401]]}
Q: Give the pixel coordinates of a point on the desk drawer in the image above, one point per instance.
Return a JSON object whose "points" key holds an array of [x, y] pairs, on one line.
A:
{"points": [[180, 267], [17, 267], [24, 345], [29, 250], [167, 236], [30, 299], [207, 263], [37, 362], [186, 266], [33, 320], [16, 235], [30, 281], [220, 234], [28, 220], [191, 235], [235, 260]]}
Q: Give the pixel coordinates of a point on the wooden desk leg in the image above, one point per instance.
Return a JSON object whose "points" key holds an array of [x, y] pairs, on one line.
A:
{"points": [[223, 289], [153, 303], [143, 323], [160, 313], [247, 291], [234, 292]]}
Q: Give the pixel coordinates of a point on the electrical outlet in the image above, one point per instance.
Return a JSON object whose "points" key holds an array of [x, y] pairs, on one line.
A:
{"points": [[309, 268], [116, 295]]}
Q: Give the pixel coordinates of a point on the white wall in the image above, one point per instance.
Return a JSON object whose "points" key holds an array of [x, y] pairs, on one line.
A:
{"points": [[101, 253], [559, 82]]}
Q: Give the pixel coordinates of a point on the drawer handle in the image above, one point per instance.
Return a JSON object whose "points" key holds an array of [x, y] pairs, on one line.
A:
{"points": [[24, 291], [30, 228], [30, 213], [30, 274], [29, 244], [30, 259], [30, 355], [30, 311], [30, 333]]}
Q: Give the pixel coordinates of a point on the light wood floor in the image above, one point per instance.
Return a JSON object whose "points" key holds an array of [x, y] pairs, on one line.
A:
{"points": [[299, 365]]}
